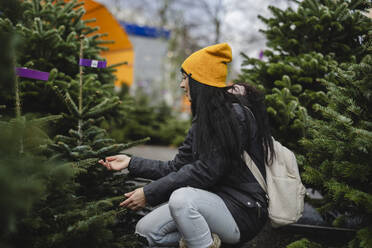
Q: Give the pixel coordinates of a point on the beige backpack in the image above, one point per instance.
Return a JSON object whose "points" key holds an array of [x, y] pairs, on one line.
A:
{"points": [[283, 186]]}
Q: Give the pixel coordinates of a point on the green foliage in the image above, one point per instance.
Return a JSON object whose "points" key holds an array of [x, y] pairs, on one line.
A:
{"points": [[142, 119], [29, 136], [25, 181], [304, 243], [12, 9], [363, 238], [338, 147], [87, 140], [67, 200], [41, 205], [48, 33], [96, 212], [317, 79], [304, 45], [319, 26]]}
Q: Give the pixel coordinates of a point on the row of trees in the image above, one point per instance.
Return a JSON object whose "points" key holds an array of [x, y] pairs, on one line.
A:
{"points": [[316, 74]]}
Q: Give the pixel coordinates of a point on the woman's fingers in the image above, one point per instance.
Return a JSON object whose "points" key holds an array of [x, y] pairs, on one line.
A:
{"points": [[112, 158], [131, 202], [102, 162], [133, 206], [129, 194], [126, 202], [106, 164]]}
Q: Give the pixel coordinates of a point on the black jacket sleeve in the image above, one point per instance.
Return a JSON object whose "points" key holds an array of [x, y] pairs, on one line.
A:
{"points": [[155, 169], [202, 173]]}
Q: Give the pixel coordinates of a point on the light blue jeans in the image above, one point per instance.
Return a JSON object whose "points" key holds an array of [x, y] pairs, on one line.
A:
{"points": [[193, 214]]}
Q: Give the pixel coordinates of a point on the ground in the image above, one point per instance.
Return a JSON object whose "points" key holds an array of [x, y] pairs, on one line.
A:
{"points": [[153, 152]]}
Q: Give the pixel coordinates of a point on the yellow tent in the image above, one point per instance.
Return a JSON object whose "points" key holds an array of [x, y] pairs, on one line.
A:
{"points": [[121, 50]]}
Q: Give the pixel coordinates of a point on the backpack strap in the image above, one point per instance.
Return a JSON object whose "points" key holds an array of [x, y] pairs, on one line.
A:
{"points": [[252, 166], [255, 171]]}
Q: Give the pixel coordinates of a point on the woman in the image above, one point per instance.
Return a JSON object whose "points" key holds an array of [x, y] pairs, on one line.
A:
{"points": [[207, 192]]}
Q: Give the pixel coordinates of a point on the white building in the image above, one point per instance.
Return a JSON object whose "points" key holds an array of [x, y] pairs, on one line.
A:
{"points": [[150, 51]]}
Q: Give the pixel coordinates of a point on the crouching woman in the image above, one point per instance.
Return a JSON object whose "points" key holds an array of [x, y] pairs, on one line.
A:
{"points": [[206, 194]]}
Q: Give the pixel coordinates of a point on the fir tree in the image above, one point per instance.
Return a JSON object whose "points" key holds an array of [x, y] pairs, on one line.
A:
{"points": [[27, 127], [338, 148], [155, 121], [87, 140], [26, 181], [49, 41], [79, 206], [304, 44]]}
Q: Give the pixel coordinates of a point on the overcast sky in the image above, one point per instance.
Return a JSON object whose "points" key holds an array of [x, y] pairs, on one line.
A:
{"points": [[242, 26], [240, 23]]}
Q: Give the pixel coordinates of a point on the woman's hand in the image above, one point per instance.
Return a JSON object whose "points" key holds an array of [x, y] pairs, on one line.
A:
{"points": [[136, 199], [117, 162]]}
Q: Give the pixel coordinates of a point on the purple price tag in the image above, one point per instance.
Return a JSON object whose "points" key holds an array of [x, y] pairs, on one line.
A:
{"points": [[261, 55], [34, 74], [92, 63]]}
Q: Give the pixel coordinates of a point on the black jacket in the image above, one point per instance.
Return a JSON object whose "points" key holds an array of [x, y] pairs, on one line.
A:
{"points": [[237, 187]]}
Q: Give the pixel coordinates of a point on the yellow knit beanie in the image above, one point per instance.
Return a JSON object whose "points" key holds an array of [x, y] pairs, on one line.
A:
{"points": [[209, 65]]}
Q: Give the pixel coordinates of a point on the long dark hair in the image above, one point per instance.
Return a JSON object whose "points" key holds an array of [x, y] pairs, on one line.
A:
{"points": [[254, 100], [217, 125]]}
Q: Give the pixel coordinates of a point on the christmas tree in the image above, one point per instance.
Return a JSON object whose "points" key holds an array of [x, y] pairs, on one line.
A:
{"points": [[75, 202], [156, 121], [304, 44], [23, 175], [338, 148], [27, 127], [49, 41], [26, 181], [87, 140]]}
